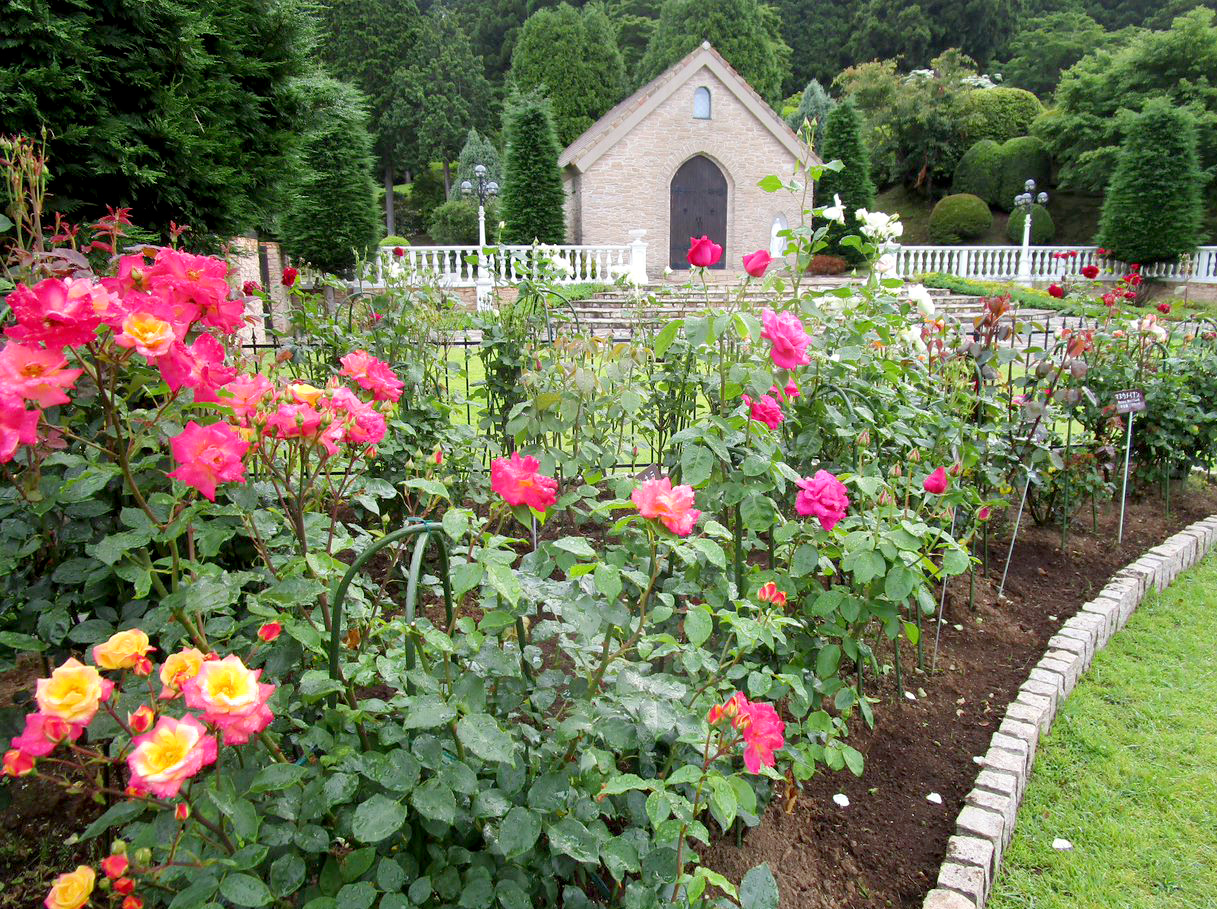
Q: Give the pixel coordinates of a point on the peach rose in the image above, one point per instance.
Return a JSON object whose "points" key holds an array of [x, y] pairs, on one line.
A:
{"points": [[73, 692], [124, 650], [228, 693], [178, 669], [72, 889], [173, 752]]}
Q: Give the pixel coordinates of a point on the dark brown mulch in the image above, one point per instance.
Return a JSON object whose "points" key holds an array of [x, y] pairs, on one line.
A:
{"points": [[883, 851]]}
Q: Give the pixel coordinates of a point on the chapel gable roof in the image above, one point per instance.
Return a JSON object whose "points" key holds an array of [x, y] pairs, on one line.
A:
{"points": [[621, 119]]}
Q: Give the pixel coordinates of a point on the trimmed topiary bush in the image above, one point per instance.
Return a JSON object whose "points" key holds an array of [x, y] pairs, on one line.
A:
{"points": [[1153, 209], [979, 171], [1042, 228], [997, 113], [960, 217], [1023, 158]]}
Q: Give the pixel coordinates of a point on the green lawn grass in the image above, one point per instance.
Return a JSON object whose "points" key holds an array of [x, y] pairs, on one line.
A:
{"points": [[1129, 772]]}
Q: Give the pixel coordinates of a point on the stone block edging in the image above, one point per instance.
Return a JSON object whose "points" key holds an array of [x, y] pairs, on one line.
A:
{"points": [[985, 826]]}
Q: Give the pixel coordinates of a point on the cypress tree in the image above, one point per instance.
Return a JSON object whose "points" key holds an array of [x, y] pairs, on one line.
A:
{"points": [[333, 214], [843, 142], [1153, 210], [533, 197]]}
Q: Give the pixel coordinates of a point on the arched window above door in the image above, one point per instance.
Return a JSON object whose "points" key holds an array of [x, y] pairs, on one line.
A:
{"points": [[701, 104]]}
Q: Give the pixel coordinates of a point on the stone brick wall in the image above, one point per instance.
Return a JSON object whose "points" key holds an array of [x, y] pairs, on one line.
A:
{"points": [[245, 259], [628, 187]]}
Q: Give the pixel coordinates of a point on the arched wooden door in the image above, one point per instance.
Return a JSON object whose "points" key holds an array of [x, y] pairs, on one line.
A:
{"points": [[698, 206]]}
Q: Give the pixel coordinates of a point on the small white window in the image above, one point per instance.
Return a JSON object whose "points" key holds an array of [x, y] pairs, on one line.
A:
{"points": [[777, 243], [701, 104]]}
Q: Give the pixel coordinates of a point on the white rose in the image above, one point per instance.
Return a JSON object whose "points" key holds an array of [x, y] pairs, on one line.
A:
{"points": [[836, 211], [884, 264], [921, 298]]}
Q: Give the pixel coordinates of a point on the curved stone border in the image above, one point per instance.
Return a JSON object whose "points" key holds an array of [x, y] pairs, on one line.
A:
{"points": [[985, 826]]}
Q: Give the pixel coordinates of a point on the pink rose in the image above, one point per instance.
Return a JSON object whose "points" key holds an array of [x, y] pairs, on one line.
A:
{"points": [[756, 263], [822, 496], [766, 410], [704, 252], [673, 505], [519, 482], [936, 483], [789, 341]]}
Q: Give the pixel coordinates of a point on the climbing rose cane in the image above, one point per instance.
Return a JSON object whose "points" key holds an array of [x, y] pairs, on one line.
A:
{"points": [[822, 496], [659, 499], [518, 481]]}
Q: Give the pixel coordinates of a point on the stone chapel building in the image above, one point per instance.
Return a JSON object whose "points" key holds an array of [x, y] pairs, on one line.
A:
{"points": [[679, 158]]}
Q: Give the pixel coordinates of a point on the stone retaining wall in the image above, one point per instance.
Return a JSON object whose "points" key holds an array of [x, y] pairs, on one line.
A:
{"points": [[985, 826]]}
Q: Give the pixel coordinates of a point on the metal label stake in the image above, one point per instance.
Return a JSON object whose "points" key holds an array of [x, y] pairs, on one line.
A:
{"points": [[1130, 402], [1017, 521]]}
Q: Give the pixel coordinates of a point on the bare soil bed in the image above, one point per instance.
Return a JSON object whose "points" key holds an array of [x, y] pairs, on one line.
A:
{"points": [[884, 849]]}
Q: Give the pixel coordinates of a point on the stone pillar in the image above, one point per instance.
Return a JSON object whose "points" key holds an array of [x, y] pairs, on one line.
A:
{"points": [[638, 257]]}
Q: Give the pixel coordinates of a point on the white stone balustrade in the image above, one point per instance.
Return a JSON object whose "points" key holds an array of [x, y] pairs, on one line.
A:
{"points": [[1002, 263]]}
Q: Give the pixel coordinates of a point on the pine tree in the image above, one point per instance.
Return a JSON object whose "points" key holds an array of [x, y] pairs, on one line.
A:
{"points": [[180, 111], [1153, 210], [843, 142], [533, 197], [571, 55], [332, 217]]}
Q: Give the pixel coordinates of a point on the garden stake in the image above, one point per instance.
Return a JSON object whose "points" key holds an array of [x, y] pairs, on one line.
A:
{"points": [[1017, 521], [1124, 489], [942, 601], [1065, 523], [896, 665]]}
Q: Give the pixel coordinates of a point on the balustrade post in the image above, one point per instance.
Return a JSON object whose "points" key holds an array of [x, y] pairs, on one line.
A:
{"points": [[638, 258]]}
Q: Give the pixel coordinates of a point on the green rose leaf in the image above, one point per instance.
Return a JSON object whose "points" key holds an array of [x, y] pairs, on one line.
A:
{"points": [[481, 734], [434, 800], [519, 831], [758, 889], [245, 890], [377, 818]]}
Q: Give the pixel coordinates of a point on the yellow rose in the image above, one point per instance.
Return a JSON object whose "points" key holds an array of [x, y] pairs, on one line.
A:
{"points": [[122, 651], [71, 890], [178, 669], [72, 693], [304, 393], [226, 686]]}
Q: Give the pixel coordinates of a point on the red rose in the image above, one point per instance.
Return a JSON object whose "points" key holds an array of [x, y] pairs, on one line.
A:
{"points": [[289, 276], [1090, 271], [399, 251], [1164, 308], [249, 288], [1134, 268], [1056, 291], [1100, 251], [704, 252], [269, 631], [756, 263], [1134, 279]]}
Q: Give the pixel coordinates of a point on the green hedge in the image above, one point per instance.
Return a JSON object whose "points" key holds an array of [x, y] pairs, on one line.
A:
{"points": [[1022, 158], [997, 171], [979, 170], [960, 217], [456, 222], [997, 113], [1042, 228]]}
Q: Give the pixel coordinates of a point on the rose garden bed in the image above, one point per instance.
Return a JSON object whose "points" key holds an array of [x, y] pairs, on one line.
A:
{"points": [[314, 630]]}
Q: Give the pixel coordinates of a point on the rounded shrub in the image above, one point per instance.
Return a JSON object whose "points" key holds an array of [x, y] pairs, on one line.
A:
{"points": [[960, 217], [979, 171], [997, 113], [1042, 228], [1022, 158], [455, 223]]}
